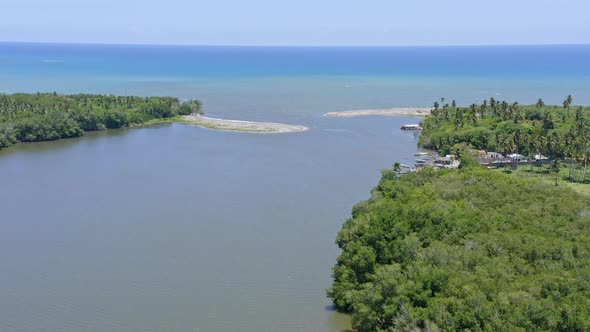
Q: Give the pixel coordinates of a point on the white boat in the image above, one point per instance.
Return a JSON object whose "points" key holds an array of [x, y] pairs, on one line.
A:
{"points": [[411, 127]]}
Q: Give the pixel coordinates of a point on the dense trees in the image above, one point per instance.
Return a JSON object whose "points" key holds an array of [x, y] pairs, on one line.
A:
{"points": [[469, 249], [44, 116], [553, 131], [456, 251]]}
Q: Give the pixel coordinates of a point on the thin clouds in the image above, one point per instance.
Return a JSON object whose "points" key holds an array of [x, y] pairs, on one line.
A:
{"points": [[302, 22]]}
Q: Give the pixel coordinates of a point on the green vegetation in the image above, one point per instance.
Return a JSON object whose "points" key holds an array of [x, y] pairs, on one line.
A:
{"points": [[44, 116], [473, 249], [558, 132], [466, 250], [546, 174]]}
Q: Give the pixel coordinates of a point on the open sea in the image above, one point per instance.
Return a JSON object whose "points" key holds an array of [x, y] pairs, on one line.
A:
{"points": [[180, 228], [277, 82]]}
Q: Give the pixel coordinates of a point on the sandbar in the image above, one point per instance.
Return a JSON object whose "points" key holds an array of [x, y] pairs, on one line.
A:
{"points": [[399, 111], [243, 126]]}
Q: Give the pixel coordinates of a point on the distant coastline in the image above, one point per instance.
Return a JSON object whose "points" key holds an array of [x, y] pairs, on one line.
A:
{"points": [[399, 111]]}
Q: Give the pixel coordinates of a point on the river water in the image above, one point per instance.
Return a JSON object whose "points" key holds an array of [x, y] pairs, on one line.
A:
{"points": [[180, 228]]}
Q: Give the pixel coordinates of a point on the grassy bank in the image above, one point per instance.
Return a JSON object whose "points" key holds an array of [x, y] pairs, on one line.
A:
{"points": [[547, 175]]}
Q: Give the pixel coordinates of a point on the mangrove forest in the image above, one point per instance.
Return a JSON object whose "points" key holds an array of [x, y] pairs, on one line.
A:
{"points": [[51, 116], [465, 250]]}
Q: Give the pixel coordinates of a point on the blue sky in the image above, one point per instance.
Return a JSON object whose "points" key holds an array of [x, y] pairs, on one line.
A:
{"points": [[298, 22]]}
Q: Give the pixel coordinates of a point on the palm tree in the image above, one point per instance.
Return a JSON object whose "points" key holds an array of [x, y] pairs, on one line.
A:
{"points": [[518, 136], [540, 103], [483, 108], [473, 114], [506, 145], [569, 100], [531, 146], [571, 150], [510, 113], [504, 108], [499, 138], [397, 168], [554, 145], [541, 145], [516, 113], [459, 121], [494, 106], [555, 165], [435, 109], [548, 121], [445, 109], [586, 158], [579, 120]]}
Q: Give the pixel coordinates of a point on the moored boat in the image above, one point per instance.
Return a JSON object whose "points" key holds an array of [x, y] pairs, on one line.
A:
{"points": [[411, 127]]}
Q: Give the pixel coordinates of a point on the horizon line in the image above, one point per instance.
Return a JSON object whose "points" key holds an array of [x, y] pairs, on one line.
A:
{"points": [[288, 46]]}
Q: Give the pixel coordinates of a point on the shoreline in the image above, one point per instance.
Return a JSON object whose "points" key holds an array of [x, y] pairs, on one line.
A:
{"points": [[396, 111], [241, 125]]}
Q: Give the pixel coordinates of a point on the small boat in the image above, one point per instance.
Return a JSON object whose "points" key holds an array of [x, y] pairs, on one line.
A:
{"points": [[411, 127], [421, 161], [421, 154]]}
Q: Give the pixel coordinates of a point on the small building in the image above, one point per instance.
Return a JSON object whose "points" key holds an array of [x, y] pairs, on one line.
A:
{"points": [[494, 155], [447, 161]]}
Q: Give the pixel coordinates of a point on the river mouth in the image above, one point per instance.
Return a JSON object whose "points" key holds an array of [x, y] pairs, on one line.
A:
{"points": [[178, 227]]}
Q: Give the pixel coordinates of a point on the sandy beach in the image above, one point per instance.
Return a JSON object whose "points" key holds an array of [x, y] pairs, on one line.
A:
{"points": [[400, 111], [244, 126]]}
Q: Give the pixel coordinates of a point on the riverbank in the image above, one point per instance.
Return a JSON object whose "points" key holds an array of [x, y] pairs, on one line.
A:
{"points": [[399, 111], [240, 125]]}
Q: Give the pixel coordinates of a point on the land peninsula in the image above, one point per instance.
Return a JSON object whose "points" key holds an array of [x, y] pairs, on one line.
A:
{"points": [[474, 249], [50, 116]]}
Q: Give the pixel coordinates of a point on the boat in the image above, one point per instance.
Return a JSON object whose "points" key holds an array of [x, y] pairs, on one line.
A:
{"points": [[411, 127], [421, 154]]}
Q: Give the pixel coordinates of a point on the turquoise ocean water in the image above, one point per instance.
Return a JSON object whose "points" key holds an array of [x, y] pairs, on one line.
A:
{"points": [[280, 83]]}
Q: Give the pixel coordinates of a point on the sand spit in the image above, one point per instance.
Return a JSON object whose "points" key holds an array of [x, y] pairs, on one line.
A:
{"points": [[401, 111], [244, 126]]}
